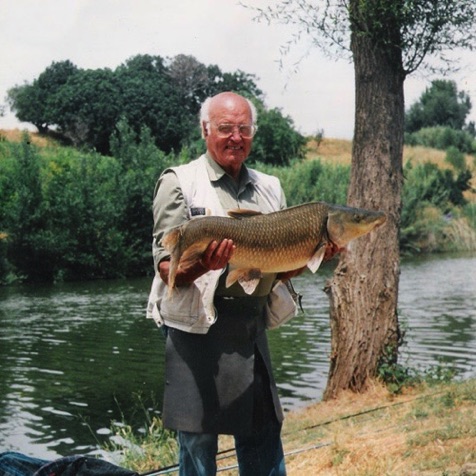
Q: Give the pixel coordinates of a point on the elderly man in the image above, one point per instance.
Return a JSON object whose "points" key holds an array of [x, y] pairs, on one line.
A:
{"points": [[218, 370]]}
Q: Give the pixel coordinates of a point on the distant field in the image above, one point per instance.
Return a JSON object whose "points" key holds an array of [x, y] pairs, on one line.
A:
{"points": [[340, 151]]}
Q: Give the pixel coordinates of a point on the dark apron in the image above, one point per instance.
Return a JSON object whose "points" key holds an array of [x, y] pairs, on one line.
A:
{"points": [[221, 382]]}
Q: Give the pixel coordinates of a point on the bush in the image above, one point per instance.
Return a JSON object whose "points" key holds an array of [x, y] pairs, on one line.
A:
{"points": [[276, 142], [311, 180], [442, 138], [455, 158], [430, 195], [68, 215]]}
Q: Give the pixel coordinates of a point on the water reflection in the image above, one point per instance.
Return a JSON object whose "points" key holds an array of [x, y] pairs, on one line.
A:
{"points": [[75, 357]]}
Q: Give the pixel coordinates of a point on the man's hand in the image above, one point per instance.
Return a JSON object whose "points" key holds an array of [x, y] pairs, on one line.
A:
{"points": [[216, 256], [331, 251]]}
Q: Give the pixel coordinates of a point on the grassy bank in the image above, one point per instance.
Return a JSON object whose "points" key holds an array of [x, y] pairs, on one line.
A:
{"points": [[424, 431]]}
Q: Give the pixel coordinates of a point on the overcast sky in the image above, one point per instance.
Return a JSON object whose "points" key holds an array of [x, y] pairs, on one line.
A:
{"points": [[105, 33]]}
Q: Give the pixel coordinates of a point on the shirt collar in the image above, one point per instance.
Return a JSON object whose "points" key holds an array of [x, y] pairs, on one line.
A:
{"points": [[215, 172]]}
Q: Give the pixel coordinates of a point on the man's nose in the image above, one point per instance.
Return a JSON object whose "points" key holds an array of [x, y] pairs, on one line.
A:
{"points": [[236, 134]]}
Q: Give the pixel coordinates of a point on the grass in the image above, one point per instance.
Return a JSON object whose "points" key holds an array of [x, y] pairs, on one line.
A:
{"points": [[15, 135], [427, 430]]}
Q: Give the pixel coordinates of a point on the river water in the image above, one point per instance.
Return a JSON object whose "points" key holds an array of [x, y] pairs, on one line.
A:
{"points": [[77, 356]]}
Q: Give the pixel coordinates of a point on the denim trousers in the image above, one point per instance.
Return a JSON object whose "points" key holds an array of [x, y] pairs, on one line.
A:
{"points": [[259, 454]]}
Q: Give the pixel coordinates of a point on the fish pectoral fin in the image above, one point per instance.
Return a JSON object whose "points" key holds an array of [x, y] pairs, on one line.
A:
{"points": [[316, 259], [240, 213], [248, 278]]}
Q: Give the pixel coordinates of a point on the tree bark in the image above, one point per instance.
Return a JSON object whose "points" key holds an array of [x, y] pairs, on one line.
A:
{"points": [[364, 289]]}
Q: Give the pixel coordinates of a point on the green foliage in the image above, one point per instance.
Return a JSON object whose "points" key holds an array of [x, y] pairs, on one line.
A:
{"points": [[277, 142], [438, 120], [396, 377], [455, 158], [429, 197], [70, 215], [140, 164], [440, 105], [469, 212], [439, 137], [23, 216], [148, 98], [311, 180], [154, 447], [148, 447], [87, 107], [34, 102]]}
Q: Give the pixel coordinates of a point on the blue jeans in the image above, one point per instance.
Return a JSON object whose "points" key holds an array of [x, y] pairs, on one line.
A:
{"points": [[260, 454]]}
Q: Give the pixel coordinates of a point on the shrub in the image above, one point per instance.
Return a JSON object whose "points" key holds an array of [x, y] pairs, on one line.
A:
{"points": [[311, 180], [455, 158], [442, 138]]}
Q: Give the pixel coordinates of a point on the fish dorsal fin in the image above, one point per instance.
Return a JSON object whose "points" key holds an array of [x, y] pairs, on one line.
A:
{"points": [[316, 259], [240, 213]]}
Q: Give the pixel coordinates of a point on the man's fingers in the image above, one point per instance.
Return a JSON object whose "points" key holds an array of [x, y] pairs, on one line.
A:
{"points": [[217, 255]]}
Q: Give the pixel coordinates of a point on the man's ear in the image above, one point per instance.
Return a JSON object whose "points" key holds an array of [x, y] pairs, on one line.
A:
{"points": [[204, 130]]}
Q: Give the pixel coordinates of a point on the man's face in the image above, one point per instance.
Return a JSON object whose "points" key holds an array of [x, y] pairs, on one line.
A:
{"points": [[225, 143]]}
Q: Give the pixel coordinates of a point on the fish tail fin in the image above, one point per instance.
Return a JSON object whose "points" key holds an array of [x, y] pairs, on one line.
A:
{"points": [[171, 243]]}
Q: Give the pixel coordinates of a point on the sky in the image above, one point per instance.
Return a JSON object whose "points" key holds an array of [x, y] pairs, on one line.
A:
{"points": [[318, 95]]}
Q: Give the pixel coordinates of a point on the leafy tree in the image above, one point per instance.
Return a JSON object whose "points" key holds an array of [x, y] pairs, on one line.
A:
{"points": [[27, 103], [150, 99], [440, 105], [276, 142], [32, 102], [192, 79], [387, 41], [87, 107]]}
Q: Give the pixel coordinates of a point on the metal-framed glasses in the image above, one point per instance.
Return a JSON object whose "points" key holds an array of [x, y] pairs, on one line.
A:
{"points": [[246, 131]]}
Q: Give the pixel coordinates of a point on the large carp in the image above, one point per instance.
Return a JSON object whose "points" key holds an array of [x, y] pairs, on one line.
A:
{"points": [[275, 242]]}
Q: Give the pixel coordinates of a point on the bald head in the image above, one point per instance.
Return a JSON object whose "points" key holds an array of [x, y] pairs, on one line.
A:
{"points": [[228, 100], [227, 122]]}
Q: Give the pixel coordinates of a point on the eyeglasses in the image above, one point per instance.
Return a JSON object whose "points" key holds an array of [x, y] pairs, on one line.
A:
{"points": [[226, 130]]}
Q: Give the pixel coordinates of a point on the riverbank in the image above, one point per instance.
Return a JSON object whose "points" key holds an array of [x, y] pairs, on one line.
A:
{"points": [[424, 431]]}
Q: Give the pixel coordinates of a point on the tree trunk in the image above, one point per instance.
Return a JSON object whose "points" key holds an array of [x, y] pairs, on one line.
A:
{"points": [[364, 289]]}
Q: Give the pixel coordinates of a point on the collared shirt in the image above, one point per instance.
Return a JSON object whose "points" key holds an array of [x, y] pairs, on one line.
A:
{"points": [[170, 210]]}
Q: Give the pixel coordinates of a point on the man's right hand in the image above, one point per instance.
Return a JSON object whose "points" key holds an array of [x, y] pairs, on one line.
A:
{"points": [[216, 256]]}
